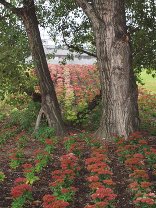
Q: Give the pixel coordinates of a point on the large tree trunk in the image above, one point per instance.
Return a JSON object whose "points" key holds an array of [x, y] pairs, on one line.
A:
{"points": [[119, 90], [50, 106]]}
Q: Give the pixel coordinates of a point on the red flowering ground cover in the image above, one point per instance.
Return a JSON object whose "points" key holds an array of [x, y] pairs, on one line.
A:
{"points": [[78, 172]]}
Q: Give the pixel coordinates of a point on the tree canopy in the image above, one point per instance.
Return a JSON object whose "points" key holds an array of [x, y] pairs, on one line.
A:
{"points": [[68, 20], [13, 53]]}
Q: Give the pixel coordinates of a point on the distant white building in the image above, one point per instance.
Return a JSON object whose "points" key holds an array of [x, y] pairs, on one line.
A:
{"points": [[61, 54]]}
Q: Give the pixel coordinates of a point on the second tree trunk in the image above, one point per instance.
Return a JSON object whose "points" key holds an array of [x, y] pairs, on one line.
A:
{"points": [[119, 90]]}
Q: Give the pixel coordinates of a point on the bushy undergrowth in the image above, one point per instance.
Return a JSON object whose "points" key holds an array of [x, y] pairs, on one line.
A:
{"points": [[44, 132], [26, 117]]}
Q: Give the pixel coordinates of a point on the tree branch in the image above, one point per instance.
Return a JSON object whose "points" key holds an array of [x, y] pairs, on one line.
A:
{"points": [[89, 11], [80, 50], [91, 106], [76, 48], [11, 7]]}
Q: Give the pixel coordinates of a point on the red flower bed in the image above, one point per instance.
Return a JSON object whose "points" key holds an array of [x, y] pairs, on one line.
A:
{"points": [[100, 180], [20, 189], [62, 185], [21, 192], [50, 201], [136, 154]]}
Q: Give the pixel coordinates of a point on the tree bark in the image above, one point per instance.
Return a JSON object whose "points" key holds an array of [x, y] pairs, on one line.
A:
{"points": [[50, 105], [119, 90]]}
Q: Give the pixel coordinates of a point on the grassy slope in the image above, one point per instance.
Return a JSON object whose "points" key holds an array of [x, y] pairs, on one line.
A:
{"points": [[150, 82]]}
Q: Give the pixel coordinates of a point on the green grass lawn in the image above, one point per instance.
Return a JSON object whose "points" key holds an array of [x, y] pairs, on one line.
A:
{"points": [[150, 82]]}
